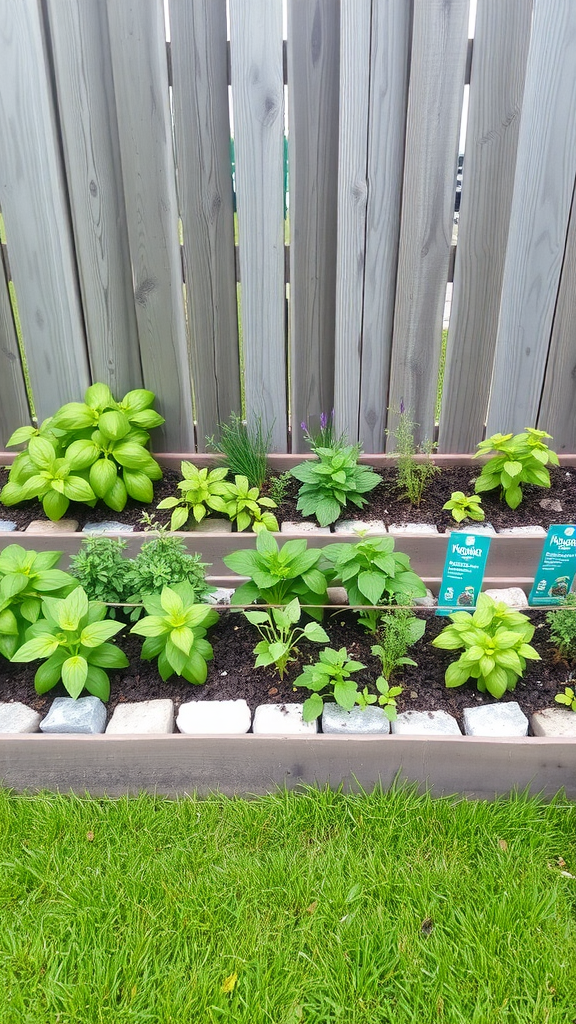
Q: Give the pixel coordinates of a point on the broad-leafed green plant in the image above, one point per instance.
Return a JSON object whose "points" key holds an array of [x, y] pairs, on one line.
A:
{"points": [[175, 628], [280, 635], [520, 459], [398, 630], [332, 481], [244, 506], [464, 506], [496, 646], [72, 639], [278, 575], [372, 574], [244, 447], [87, 450], [413, 475], [25, 578], [203, 492], [101, 569], [562, 623], [332, 673], [568, 698], [386, 698]]}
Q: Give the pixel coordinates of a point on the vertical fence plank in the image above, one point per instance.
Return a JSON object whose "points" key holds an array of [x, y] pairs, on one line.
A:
{"points": [[258, 98], [313, 62], [352, 196], [14, 411], [545, 171], [202, 128], [138, 48], [501, 40], [438, 62], [79, 34], [557, 413], [34, 205], [389, 63]]}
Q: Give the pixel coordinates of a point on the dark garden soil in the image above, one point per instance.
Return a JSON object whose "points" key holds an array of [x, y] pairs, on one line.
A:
{"points": [[540, 506], [231, 674]]}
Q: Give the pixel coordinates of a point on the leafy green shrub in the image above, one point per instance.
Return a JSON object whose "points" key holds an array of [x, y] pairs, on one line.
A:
{"points": [[203, 491], [562, 622], [279, 487], [373, 573], [333, 481], [521, 459], [278, 575], [162, 562], [175, 628], [72, 638], [280, 636], [465, 506], [101, 569], [87, 450], [244, 506], [398, 631], [332, 672], [568, 698], [26, 577], [496, 645], [413, 476], [244, 448]]}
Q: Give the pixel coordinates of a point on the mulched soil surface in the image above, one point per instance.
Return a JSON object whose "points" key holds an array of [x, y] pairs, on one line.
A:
{"points": [[231, 674], [383, 503]]}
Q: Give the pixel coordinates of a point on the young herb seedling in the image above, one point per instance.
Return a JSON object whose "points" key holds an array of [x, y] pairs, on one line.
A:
{"points": [[464, 506], [332, 672], [280, 635]]}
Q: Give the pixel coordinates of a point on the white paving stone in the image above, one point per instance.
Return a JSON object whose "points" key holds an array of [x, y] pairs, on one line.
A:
{"points": [[47, 526], [360, 526], [303, 526], [423, 529], [107, 526], [18, 717], [554, 722], [144, 716], [426, 602], [280, 719], [337, 595], [222, 595], [214, 717], [85, 715], [522, 531], [7, 526], [486, 529], [367, 721], [514, 597], [416, 723], [208, 525], [495, 720]]}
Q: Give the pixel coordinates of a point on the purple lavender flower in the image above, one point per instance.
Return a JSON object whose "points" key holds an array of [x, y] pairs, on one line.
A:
{"points": [[304, 427], [401, 406], [323, 421]]}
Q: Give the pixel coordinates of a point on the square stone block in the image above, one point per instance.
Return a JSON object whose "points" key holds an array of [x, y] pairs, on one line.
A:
{"points": [[495, 720], [554, 722], [208, 525], [85, 715], [214, 717], [47, 526], [281, 719], [360, 526], [303, 526], [522, 531], [422, 529], [7, 526], [416, 723], [368, 721], [107, 526], [337, 595], [222, 595], [145, 716], [19, 718], [514, 597]]}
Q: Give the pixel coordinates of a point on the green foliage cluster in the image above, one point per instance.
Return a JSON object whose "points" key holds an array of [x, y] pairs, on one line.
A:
{"points": [[86, 451], [386, 698], [567, 698], [520, 459], [280, 635], [26, 578], [175, 629], [330, 676], [398, 630], [413, 476], [71, 638], [562, 623], [278, 575], [279, 487], [464, 506], [332, 481], [102, 570], [205, 491], [244, 448], [496, 645]]}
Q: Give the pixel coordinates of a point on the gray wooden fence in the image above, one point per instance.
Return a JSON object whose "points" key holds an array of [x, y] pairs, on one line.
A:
{"points": [[116, 193]]}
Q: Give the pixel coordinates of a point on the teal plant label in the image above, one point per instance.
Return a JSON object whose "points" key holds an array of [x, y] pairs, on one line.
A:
{"points": [[557, 566], [463, 572]]}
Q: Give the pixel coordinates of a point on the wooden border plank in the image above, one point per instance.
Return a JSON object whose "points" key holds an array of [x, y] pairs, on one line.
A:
{"points": [[313, 75], [85, 91], [35, 209], [545, 173], [138, 49], [202, 130], [437, 68], [501, 41], [258, 98]]}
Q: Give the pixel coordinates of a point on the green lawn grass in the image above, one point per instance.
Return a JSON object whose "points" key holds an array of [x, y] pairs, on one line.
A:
{"points": [[310, 909]]}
